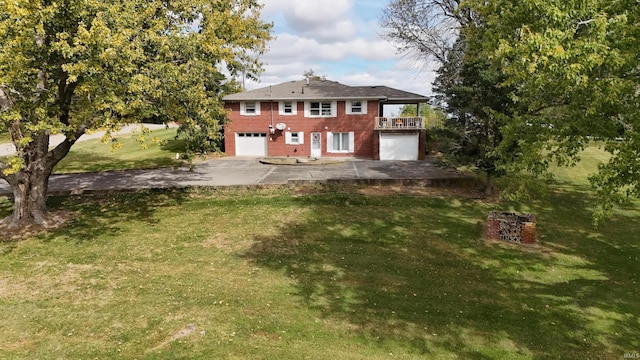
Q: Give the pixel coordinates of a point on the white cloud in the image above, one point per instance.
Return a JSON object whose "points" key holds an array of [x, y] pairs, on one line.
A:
{"points": [[339, 39], [326, 21], [288, 47]]}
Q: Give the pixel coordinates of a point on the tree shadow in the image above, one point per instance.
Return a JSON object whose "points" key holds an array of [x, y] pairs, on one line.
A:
{"points": [[414, 271], [93, 216]]}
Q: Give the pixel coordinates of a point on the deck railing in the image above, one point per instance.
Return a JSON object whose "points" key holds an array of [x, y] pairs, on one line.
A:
{"points": [[399, 123]]}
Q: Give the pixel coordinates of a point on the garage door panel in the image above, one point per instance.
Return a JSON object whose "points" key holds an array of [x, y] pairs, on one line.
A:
{"points": [[251, 144], [399, 146]]}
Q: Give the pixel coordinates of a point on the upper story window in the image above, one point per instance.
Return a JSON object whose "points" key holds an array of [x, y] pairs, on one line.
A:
{"points": [[250, 108], [356, 107], [288, 108], [320, 109]]}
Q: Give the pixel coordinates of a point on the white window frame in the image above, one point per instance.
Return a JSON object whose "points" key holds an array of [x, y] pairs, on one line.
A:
{"points": [[294, 108], [351, 145], [243, 108], [350, 105], [308, 109], [290, 139]]}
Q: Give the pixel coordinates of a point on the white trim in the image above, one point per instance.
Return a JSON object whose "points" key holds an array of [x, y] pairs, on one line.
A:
{"points": [[288, 138], [294, 108], [307, 109], [243, 108], [352, 141], [349, 107], [351, 144]]}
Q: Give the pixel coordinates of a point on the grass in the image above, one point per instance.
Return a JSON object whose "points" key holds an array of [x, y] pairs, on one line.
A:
{"points": [[579, 174], [318, 273], [93, 155]]}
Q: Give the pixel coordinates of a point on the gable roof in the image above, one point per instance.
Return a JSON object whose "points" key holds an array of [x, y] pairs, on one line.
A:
{"points": [[318, 89]]}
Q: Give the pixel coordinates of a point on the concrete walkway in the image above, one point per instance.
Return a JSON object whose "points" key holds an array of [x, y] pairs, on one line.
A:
{"points": [[250, 171]]}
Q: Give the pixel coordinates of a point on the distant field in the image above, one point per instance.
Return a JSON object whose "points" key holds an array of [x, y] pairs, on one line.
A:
{"points": [[590, 158], [92, 155]]}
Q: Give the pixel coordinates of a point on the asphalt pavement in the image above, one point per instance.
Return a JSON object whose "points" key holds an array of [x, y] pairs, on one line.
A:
{"points": [[233, 172]]}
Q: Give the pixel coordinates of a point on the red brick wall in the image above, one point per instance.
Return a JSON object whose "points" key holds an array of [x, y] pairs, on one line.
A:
{"points": [[361, 125]]}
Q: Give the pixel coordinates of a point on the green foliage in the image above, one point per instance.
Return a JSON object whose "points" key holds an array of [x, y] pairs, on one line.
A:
{"points": [[69, 66], [433, 117], [574, 70], [469, 89]]}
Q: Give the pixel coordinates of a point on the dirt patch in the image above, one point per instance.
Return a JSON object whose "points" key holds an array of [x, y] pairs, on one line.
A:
{"points": [[55, 220]]}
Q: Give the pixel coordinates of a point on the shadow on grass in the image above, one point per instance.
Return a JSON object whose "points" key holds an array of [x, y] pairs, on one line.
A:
{"points": [[93, 216], [414, 271]]}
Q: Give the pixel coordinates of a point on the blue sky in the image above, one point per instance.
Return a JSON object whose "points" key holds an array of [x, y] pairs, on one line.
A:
{"points": [[339, 39]]}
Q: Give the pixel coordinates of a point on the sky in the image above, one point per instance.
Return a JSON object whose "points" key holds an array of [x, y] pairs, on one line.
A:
{"points": [[339, 39]]}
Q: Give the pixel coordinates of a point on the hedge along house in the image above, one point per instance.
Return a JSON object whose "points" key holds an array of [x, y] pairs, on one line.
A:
{"points": [[320, 118]]}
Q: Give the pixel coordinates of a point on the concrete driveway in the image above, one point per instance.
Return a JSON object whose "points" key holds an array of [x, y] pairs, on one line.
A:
{"points": [[248, 171]]}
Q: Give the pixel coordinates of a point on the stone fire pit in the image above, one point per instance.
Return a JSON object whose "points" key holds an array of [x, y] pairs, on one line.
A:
{"points": [[511, 227]]}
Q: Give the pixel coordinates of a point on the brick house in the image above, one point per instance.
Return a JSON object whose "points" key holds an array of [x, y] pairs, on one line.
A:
{"points": [[320, 118]]}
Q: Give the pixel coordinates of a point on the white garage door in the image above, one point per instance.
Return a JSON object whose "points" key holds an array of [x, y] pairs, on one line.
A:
{"points": [[399, 146], [251, 144]]}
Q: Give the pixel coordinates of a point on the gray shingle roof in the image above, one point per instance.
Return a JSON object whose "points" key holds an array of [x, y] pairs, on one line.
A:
{"points": [[318, 89]]}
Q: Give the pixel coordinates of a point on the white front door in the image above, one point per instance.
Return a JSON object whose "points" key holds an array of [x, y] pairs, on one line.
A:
{"points": [[316, 144]]}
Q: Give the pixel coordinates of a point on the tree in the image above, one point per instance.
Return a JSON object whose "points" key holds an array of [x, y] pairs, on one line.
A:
{"points": [[426, 28], [433, 116], [575, 73], [67, 67], [467, 85]]}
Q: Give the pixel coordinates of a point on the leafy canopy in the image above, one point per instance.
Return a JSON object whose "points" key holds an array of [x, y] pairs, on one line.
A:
{"points": [[68, 66], [575, 73]]}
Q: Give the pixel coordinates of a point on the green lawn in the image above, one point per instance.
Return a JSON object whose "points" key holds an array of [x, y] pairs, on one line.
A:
{"points": [[319, 273], [93, 155]]}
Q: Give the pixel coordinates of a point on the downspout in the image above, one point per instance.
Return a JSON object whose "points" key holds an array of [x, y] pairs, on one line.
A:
{"points": [[271, 110]]}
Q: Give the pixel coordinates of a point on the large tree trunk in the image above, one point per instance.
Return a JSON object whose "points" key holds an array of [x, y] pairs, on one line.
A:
{"points": [[30, 184], [29, 194]]}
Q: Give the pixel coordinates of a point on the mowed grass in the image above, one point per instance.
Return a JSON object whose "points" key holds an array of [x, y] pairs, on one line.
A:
{"points": [[319, 273], [94, 155], [590, 158]]}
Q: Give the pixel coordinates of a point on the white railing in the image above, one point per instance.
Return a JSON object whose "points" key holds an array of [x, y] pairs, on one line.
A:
{"points": [[399, 123]]}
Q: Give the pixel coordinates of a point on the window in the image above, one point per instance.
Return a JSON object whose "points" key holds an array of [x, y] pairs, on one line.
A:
{"points": [[294, 138], [356, 107], [340, 142], [320, 109], [288, 108], [250, 108]]}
